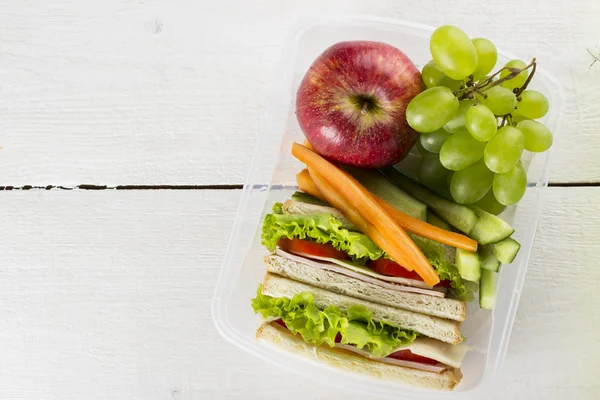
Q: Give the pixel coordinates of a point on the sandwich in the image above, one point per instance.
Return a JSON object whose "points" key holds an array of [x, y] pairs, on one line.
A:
{"points": [[333, 294]]}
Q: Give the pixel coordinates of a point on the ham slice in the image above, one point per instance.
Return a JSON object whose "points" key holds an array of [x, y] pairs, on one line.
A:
{"points": [[437, 368], [368, 271], [353, 273]]}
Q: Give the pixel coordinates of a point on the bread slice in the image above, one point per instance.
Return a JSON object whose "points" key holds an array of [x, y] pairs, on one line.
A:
{"points": [[342, 359], [349, 286], [298, 208], [437, 328]]}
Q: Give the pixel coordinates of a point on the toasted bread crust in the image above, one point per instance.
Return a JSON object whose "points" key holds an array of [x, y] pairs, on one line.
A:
{"points": [[342, 359]]}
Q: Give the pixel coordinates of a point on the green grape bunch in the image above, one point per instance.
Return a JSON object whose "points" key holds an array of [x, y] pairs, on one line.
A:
{"points": [[474, 123]]}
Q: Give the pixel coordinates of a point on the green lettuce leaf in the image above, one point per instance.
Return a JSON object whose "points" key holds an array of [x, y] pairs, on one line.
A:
{"points": [[324, 228], [321, 228], [277, 208], [318, 327], [438, 255]]}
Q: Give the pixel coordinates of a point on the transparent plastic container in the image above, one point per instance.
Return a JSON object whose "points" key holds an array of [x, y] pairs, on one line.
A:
{"points": [[272, 178]]}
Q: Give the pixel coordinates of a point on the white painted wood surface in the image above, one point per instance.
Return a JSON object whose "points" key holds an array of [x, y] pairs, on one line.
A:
{"points": [[106, 295], [171, 92]]}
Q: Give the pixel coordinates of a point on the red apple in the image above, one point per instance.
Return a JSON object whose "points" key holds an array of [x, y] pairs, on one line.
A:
{"points": [[351, 104]]}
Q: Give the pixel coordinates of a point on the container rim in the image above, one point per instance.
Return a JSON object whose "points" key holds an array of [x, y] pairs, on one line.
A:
{"points": [[229, 271]]}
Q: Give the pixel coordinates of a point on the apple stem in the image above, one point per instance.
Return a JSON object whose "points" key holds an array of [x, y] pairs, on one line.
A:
{"points": [[364, 108]]}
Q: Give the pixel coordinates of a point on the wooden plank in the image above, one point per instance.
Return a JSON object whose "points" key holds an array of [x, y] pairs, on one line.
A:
{"points": [[106, 294], [147, 92]]}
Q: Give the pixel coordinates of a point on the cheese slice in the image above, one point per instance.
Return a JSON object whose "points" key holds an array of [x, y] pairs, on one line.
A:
{"points": [[445, 353]]}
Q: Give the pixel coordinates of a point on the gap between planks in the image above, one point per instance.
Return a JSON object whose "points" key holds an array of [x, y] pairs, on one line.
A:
{"points": [[125, 187], [204, 187]]}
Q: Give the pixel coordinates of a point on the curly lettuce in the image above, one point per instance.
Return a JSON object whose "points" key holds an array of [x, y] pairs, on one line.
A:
{"points": [[439, 255], [324, 228], [320, 228], [317, 327]]}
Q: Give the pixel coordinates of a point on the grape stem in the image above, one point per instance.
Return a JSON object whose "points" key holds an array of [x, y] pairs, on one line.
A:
{"points": [[509, 119], [529, 78], [503, 121], [489, 82]]}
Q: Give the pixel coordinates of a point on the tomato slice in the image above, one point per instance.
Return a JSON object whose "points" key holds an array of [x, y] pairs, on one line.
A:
{"points": [[445, 283], [311, 248], [388, 267], [280, 322], [338, 338], [408, 355]]}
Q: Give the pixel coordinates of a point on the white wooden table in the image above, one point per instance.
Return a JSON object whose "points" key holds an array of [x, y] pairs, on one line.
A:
{"points": [[105, 294]]}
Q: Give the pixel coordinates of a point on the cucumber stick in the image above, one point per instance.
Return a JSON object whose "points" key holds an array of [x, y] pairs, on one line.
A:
{"points": [[468, 264], [486, 290], [489, 228], [478, 224], [488, 260], [505, 251], [380, 186], [437, 221], [459, 216]]}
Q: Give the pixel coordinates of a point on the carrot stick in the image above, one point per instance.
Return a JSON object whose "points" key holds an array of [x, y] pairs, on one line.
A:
{"points": [[339, 202], [306, 184], [427, 230], [405, 221], [400, 244]]}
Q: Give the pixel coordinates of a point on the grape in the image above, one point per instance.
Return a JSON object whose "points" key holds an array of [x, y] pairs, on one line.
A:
{"points": [[516, 116], [432, 141], [453, 52], [433, 76], [538, 138], [487, 55], [533, 104], [490, 204], [450, 83], [503, 152], [460, 150], [500, 100], [432, 173], [471, 184], [420, 148], [481, 122], [457, 122], [430, 110], [510, 186], [518, 80], [449, 179]]}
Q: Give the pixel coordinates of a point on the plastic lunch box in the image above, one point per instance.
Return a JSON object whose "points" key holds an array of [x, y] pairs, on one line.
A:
{"points": [[272, 178]]}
